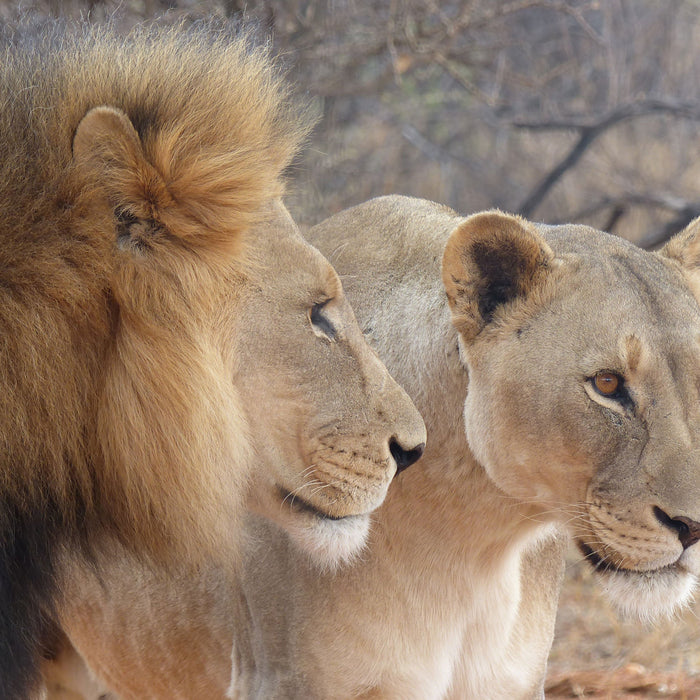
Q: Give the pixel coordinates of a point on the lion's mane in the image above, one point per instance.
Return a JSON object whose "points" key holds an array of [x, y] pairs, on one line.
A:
{"points": [[114, 410]]}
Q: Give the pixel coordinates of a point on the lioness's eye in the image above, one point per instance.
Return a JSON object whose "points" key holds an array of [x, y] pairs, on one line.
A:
{"points": [[320, 322], [608, 384]]}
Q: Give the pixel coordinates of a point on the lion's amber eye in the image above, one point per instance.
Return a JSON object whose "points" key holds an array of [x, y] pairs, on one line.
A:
{"points": [[607, 383]]}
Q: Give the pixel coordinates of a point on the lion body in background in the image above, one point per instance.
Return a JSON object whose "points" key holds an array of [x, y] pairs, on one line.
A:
{"points": [[147, 269]]}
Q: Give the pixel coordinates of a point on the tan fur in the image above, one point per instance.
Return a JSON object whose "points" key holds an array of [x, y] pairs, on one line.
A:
{"points": [[455, 595], [156, 327]]}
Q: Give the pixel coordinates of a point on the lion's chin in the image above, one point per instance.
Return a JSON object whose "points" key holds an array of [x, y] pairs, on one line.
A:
{"points": [[329, 543], [329, 540], [649, 595], [645, 595]]}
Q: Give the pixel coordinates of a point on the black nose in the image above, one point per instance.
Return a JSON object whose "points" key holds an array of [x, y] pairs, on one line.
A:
{"points": [[688, 530], [404, 458]]}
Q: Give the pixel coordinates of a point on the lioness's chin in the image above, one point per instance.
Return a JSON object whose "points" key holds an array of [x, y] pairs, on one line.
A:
{"points": [[329, 539], [330, 543], [645, 595], [649, 595]]}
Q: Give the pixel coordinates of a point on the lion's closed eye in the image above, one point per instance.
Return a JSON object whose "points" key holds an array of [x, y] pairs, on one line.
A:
{"points": [[320, 321]]}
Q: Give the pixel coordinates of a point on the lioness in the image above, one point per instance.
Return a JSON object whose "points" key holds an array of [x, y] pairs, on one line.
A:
{"points": [[168, 340], [572, 359]]}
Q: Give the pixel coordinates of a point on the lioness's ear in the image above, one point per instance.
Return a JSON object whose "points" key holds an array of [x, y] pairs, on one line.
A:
{"points": [[490, 259], [685, 246], [107, 148]]}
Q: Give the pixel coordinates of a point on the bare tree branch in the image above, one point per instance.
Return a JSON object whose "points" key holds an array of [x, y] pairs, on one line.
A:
{"points": [[642, 108], [658, 238], [685, 211], [534, 199], [431, 150], [589, 132]]}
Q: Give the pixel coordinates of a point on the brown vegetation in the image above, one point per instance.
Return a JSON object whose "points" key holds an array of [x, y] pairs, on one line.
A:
{"points": [[558, 109]]}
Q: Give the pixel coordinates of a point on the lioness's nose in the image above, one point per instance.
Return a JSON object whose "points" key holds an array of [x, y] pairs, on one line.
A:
{"points": [[404, 458], [688, 530]]}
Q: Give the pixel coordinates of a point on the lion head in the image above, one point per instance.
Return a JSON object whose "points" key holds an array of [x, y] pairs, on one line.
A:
{"points": [[169, 342], [330, 428], [583, 353]]}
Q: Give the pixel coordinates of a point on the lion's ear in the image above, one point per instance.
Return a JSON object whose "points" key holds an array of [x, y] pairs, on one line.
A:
{"points": [[107, 150], [684, 247], [489, 260], [105, 136]]}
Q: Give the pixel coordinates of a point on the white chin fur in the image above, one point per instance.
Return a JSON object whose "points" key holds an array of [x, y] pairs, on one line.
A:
{"points": [[330, 543], [648, 596]]}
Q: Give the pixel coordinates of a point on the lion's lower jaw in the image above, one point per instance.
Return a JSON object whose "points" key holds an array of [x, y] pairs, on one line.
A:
{"points": [[330, 544], [649, 596]]}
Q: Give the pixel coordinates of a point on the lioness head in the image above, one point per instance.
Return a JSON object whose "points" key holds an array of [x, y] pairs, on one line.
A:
{"points": [[329, 426], [583, 354]]}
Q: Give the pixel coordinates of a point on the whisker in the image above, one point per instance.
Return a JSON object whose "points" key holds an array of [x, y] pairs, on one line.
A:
{"points": [[293, 493]]}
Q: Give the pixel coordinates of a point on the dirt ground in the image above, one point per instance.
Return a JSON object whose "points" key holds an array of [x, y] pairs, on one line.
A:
{"points": [[597, 655]]}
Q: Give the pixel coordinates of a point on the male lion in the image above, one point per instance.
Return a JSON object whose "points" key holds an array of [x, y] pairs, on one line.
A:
{"points": [[163, 326], [581, 354]]}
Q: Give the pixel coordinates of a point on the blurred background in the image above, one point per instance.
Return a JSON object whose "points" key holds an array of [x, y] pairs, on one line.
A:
{"points": [[561, 110]]}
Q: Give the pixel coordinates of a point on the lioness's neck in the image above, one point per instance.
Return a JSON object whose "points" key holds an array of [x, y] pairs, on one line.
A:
{"points": [[447, 502]]}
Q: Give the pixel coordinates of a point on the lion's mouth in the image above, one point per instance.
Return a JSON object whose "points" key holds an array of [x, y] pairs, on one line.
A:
{"points": [[601, 565], [594, 559], [298, 504], [647, 594]]}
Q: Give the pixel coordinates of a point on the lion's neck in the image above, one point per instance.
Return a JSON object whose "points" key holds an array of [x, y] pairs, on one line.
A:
{"points": [[446, 504], [448, 518]]}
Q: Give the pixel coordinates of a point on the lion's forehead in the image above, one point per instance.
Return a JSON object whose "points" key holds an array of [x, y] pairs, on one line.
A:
{"points": [[648, 347], [615, 285], [286, 266], [617, 263], [612, 306]]}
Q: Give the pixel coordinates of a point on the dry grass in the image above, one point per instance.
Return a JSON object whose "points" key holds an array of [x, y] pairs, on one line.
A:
{"points": [[597, 655], [632, 681]]}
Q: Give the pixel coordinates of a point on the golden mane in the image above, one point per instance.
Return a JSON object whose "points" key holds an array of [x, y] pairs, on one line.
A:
{"points": [[113, 413]]}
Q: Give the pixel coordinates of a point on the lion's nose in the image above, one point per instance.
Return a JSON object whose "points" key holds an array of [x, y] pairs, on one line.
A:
{"points": [[405, 458], [688, 530]]}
